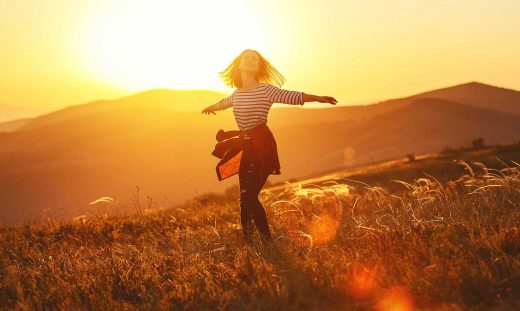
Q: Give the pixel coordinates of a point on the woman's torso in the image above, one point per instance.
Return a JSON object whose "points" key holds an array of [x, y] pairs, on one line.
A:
{"points": [[251, 108]]}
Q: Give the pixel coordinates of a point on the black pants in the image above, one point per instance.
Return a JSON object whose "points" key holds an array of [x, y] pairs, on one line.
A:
{"points": [[251, 180]]}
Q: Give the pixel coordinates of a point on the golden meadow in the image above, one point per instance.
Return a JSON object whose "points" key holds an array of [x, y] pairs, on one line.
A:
{"points": [[340, 245]]}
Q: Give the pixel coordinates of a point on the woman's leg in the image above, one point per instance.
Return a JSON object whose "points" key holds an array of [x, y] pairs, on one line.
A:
{"points": [[251, 182], [246, 217], [246, 178], [259, 214]]}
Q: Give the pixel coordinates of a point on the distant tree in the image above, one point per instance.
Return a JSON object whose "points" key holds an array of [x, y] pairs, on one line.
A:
{"points": [[478, 143], [447, 150]]}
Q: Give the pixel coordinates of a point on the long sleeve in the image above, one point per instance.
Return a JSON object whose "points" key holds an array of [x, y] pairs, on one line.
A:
{"points": [[278, 95], [225, 103]]}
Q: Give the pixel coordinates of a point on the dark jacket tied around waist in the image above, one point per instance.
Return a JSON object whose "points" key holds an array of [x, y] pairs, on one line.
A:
{"points": [[229, 150]]}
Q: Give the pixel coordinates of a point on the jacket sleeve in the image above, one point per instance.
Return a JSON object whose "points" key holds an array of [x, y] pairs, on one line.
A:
{"points": [[278, 95], [225, 103]]}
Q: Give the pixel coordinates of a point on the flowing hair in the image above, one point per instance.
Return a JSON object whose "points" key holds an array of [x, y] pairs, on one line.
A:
{"points": [[266, 72]]}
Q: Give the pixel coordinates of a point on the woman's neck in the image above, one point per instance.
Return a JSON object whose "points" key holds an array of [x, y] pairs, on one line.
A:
{"points": [[248, 80]]}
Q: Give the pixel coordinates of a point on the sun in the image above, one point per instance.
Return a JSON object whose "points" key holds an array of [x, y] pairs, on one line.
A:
{"points": [[168, 44]]}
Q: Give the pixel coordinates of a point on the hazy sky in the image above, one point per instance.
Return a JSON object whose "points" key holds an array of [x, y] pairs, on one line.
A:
{"points": [[55, 53]]}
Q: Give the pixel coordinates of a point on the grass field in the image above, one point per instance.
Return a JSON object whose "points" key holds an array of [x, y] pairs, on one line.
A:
{"points": [[418, 245]]}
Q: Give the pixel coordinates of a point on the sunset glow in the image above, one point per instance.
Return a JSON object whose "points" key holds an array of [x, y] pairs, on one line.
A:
{"points": [[70, 52], [172, 44]]}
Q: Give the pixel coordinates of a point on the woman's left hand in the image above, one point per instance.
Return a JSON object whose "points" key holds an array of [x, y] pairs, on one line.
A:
{"points": [[327, 99]]}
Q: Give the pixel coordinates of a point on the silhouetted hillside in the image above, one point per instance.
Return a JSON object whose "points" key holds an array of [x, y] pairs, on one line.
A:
{"points": [[479, 95], [68, 158], [154, 99], [10, 113], [471, 94], [13, 125], [423, 126]]}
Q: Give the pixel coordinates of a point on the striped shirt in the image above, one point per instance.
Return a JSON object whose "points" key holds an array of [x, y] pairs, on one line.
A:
{"points": [[250, 108]]}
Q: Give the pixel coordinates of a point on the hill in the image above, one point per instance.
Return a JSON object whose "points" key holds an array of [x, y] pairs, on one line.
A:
{"points": [[426, 125], [13, 125], [474, 94], [64, 160], [10, 113], [479, 95], [161, 99]]}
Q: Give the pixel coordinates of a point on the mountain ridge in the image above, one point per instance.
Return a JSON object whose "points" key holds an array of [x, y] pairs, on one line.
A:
{"points": [[67, 163], [164, 97]]}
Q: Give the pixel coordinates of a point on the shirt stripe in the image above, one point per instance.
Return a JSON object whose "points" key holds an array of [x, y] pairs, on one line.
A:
{"points": [[251, 108]]}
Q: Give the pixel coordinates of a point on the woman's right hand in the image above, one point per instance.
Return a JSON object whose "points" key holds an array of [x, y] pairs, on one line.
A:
{"points": [[209, 110]]}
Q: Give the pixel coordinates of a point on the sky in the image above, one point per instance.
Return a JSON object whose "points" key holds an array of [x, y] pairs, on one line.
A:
{"points": [[57, 53]]}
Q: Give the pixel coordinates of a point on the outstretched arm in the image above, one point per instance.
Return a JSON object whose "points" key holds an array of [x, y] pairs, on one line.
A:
{"points": [[221, 105], [321, 99], [211, 109], [278, 95]]}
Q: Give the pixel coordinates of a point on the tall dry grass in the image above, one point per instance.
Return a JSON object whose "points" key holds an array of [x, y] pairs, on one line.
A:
{"points": [[341, 246]]}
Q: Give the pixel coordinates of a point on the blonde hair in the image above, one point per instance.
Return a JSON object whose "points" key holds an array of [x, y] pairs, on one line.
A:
{"points": [[266, 72]]}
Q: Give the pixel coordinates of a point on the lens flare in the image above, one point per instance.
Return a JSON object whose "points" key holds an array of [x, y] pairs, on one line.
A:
{"points": [[395, 299], [361, 282], [323, 229]]}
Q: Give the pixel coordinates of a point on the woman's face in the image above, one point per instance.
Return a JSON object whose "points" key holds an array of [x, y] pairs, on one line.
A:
{"points": [[249, 62]]}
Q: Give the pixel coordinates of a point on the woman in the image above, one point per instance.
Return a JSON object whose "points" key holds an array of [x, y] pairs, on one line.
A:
{"points": [[253, 77]]}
